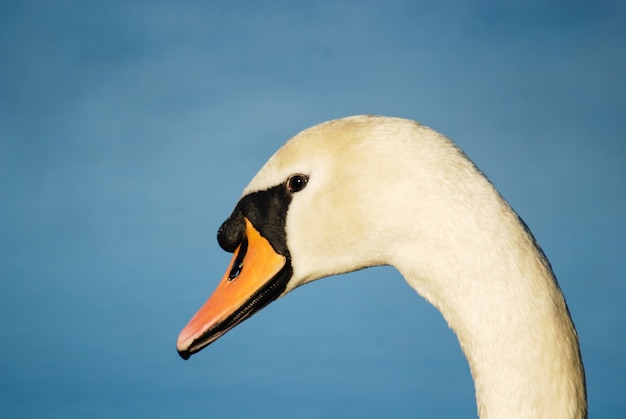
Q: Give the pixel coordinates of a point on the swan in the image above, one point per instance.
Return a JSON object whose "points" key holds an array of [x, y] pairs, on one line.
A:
{"points": [[372, 190]]}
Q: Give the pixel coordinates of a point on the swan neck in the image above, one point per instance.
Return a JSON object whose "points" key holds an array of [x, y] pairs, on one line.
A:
{"points": [[514, 327]]}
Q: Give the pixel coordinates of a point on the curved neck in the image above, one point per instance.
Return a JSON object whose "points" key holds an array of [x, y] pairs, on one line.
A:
{"points": [[501, 299]]}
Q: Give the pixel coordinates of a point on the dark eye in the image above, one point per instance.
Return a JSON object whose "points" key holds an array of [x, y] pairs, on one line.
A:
{"points": [[296, 183]]}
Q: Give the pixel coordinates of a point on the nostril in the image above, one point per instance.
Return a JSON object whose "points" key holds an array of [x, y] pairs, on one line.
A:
{"points": [[234, 273], [238, 263]]}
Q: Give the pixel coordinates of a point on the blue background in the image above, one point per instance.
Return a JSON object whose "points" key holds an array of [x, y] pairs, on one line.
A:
{"points": [[128, 130]]}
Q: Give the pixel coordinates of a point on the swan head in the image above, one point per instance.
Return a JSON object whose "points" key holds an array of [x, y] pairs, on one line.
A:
{"points": [[368, 190], [332, 200]]}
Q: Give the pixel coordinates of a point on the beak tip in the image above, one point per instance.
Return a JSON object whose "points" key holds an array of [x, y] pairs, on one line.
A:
{"points": [[183, 344], [184, 354]]}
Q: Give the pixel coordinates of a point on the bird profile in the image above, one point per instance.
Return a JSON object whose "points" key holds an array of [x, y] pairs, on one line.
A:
{"points": [[366, 191]]}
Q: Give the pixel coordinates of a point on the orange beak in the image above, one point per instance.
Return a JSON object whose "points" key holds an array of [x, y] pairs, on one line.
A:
{"points": [[256, 276]]}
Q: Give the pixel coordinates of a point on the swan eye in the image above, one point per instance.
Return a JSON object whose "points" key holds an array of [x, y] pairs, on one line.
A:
{"points": [[296, 183]]}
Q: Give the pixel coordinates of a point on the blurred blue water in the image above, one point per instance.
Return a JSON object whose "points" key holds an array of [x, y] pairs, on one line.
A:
{"points": [[128, 130]]}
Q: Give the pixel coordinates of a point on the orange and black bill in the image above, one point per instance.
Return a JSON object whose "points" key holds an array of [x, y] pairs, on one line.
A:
{"points": [[257, 275]]}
